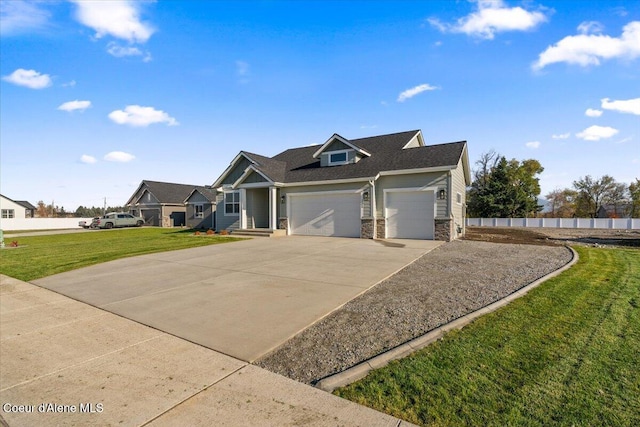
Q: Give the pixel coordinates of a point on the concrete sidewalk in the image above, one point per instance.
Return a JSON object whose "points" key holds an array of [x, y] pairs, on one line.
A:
{"points": [[101, 369], [243, 298]]}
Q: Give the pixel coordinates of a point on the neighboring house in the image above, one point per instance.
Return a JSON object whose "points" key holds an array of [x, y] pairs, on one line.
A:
{"points": [[388, 186], [161, 203], [16, 208], [201, 208]]}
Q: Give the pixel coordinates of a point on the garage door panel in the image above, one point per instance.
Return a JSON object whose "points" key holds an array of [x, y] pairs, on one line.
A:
{"points": [[325, 215], [410, 214]]}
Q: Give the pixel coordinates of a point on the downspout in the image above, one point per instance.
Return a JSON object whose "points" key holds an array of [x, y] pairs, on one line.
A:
{"points": [[373, 207], [452, 224]]}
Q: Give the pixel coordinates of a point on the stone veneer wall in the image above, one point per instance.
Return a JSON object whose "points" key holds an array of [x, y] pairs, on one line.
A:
{"points": [[443, 229], [380, 225], [283, 223], [366, 228]]}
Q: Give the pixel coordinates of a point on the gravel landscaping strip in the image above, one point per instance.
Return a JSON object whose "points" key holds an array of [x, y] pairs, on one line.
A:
{"points": [[443, 285]]}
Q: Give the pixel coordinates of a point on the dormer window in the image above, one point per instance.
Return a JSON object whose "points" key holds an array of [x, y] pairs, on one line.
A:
{"points": [[338, 158]]}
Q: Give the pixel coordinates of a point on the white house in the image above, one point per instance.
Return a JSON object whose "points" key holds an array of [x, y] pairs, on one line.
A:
{"points": [[15, 209]]}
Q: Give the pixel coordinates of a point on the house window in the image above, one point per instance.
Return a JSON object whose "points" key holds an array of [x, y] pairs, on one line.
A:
{"points": [[199, 212], [8, 213], [232, 203], [338, 158], [459, 198]]}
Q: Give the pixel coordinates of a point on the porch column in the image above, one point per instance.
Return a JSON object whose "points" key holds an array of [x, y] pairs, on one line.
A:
{"points": [[243, 209], [273, 208]]}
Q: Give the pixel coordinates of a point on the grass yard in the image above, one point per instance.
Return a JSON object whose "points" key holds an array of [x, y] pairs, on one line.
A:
{"points": [[568, 353], [40, 256]]}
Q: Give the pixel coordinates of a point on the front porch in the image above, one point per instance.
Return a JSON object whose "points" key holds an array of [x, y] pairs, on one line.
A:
{"points": [[258, 208]]}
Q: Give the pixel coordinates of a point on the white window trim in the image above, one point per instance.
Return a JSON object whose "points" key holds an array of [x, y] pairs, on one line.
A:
{"points": [[8, 213], [342, 162], [195, 211], [224, 201]]}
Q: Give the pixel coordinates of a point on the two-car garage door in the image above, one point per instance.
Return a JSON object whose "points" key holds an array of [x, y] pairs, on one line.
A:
{"points": [[325, 214], [408, 214]]}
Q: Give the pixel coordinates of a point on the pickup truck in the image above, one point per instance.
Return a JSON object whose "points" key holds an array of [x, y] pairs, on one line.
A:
{"points": [[119, 219]]}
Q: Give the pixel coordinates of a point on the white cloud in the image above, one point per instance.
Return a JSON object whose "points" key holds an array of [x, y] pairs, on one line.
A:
{"points": [[410, 93], [561, 135], [28, 78], [72, 83], [85, 158], [119, 156], [21, 17], [596, 133], [75, 105], [631, 106], [117, 18], [589, 49], [492, 17], [593, 113], [590, 27], [533, 144], [118, 51], [138, 116]]}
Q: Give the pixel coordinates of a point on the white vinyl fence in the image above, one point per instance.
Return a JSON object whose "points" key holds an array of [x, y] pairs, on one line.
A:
{"points": [[606, 223], [17, 224]]}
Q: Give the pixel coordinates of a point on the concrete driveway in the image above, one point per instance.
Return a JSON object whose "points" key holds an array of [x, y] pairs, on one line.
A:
{"points": [[244, 298]]}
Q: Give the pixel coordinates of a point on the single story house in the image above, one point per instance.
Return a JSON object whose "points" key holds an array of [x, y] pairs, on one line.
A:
{"points": [[16, 208], [201, 208], [165, 204], [387, 186]]}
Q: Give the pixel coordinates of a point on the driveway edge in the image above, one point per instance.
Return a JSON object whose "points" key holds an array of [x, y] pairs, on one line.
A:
{"points": [[362, 369]]}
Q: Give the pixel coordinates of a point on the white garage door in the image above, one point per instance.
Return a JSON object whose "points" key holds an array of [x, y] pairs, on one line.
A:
{"points": [[336, 214], [409, 214]]}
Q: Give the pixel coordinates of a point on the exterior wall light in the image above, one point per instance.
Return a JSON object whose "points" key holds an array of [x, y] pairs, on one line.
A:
{"points": [[365, 196], [442, 194], [283, 199]]}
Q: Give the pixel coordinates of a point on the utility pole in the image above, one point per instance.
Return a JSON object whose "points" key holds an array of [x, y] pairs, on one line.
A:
{"points": [[104, 210]]}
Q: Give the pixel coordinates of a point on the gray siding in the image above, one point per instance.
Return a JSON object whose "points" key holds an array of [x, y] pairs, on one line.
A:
{"points": [[147, 199], [236, 172], [258, 208], [337, 145], [224, 222], [438, 179], [458, 186], [208, 212], [254, 177]]}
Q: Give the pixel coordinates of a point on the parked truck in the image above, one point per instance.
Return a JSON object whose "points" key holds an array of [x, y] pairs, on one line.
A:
{"points": [[118, 219]]}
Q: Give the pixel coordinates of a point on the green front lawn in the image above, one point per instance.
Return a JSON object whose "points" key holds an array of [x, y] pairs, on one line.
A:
{"points": [[40, 256], [568, 353]]}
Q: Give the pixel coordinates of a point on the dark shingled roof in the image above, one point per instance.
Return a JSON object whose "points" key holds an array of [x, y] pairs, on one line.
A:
{"points": [[167, 192], [26, 204], [207, 192], [387, 154]]}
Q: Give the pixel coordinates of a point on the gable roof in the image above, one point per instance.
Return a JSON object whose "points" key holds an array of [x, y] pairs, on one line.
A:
{"points": [[387, 153], [345, 141], [207, 192], [22, 203], [164, 192], [26, 204]]}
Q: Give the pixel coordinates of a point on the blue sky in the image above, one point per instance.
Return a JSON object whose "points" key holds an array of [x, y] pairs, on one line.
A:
{"points": [[97, 96]]}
